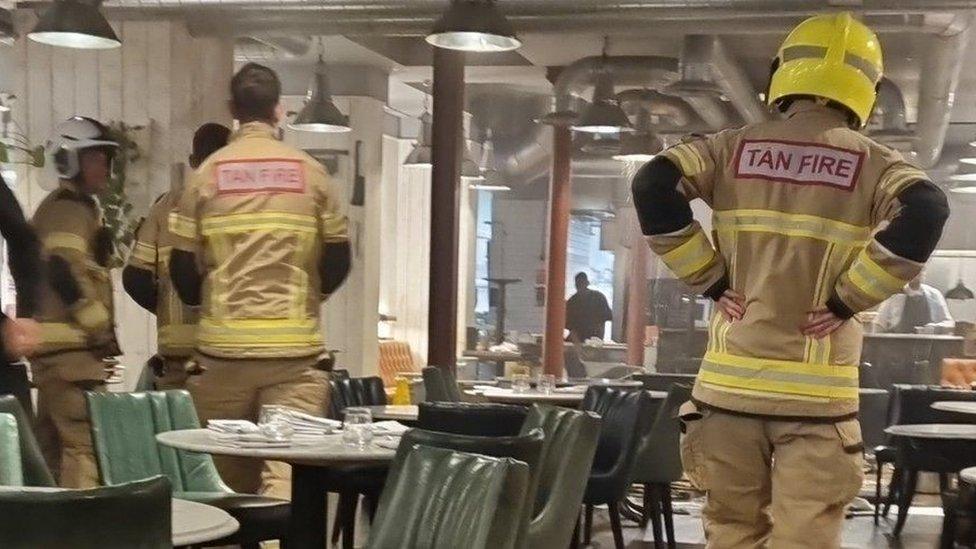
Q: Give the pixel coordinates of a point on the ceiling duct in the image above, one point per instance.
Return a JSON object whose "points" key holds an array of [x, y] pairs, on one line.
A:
{"points": [[271, 48], [941, 64], [888, 125], [707, 70], [668, 114]]}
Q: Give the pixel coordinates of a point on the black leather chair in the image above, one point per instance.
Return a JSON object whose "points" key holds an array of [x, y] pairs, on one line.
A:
{"points": [[36, 472], [663, 382], [130, 515], [440, 385], [626, 418], [658, 463], [475, 419], [912, 404], [355, 391], [526, 447]]}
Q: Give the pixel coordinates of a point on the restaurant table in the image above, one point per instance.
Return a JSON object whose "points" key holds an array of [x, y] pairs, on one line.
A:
{"points": [[570, 399], [192, 523], [406, 413], [941, 431], [955, 406], [968, 475], [310, 460]]}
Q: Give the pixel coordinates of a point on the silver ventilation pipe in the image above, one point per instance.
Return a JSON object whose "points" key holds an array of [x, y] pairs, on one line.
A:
{"points": [[888, 124], [941, 65]]}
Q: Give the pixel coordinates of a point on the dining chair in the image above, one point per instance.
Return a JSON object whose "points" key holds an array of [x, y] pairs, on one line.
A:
{"points": [[570, 443], [124, 428], [33, 467], [470, 418], [130, 515], [442, 499], [440, 385], [658, 463], [11, 469], [663, 382], [626, 416]]}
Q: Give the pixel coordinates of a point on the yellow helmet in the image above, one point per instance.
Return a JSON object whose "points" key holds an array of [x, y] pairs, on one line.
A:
{"points": [[833, 56]]}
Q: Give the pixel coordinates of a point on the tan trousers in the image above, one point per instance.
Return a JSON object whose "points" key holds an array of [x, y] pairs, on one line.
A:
{"points": [[62, 424], [776, 484], [174, 375], [236, 389]]}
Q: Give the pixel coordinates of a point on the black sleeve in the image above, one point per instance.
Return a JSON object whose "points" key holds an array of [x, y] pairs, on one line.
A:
{"points": [[661, 208], [916, 230], [186, 277], [24, 251], [62, 281], [140, 284], [334, 266]]}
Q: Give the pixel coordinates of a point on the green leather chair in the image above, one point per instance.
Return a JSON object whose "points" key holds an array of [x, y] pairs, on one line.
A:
{"points": [[11, 470], [136, 515], [570, 444], [124, 428], [33, 466], [440, 499], [526, 448]]}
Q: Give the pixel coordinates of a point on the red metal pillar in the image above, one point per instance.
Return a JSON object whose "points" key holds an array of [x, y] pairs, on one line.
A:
{"points": [[636, 298], [559, 205], [448, 92]]}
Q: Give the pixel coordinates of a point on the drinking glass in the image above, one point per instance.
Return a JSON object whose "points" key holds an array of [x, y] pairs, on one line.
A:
{"points": [[520, 383], [546, 384], [357, 429], [273, 422]]}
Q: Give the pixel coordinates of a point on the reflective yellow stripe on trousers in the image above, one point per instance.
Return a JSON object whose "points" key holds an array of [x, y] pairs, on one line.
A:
{"points": [[779, 377]]}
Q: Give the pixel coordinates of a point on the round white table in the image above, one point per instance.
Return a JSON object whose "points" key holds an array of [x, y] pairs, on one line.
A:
{"points": [[310, 458], [962, 407], [394, 412], [557, 398], [942, 431], [192, 523]]}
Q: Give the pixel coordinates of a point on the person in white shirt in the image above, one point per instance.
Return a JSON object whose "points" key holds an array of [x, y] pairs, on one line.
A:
{"points": [[918, 305]]}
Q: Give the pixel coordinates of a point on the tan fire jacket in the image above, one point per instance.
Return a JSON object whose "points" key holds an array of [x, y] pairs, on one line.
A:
{"points": [[66, 223], [795, 203], [257, 213], [176, 323]]}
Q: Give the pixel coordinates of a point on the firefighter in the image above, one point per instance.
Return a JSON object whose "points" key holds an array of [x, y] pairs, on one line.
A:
{"points": [[260, 243], [146, 277], [75, 309], [813, 222]]}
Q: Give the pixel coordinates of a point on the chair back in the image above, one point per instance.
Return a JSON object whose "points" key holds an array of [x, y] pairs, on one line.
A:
{"points": [[627, 415], [11, 470], [124, 429], [395, 357], [469, 418], [33, 466], [567, 454], [913, 404], [440, 385], [441, 499], [133, 515], [526, 448], [663, 382], [659, 455], [873, 414], [355, 391]]}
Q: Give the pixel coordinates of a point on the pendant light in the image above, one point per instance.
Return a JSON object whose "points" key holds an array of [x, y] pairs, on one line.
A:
{"points": [[492, 179], [75, 24], [422, 154], [642, 145], [475, 26], [603, 114], [320, 113]]}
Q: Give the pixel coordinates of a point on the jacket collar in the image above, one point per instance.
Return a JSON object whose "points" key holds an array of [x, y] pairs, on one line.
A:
{"points": [[255, 129], [807, 108]]}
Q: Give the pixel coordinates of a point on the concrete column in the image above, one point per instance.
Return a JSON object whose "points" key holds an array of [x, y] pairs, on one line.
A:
{"points": [[636, 297], [446, 174], [560, 187]]}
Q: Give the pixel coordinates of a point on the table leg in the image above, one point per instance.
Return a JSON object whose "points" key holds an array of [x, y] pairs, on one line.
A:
{"points": [[309, 509]]}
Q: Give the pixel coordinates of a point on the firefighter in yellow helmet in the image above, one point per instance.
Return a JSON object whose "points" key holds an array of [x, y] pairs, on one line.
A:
{"points": [[146, 276], [772, 431], [75, 310], [263, 219]]}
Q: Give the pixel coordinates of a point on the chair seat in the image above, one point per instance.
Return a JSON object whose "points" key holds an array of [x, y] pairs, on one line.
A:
{"points": [[885, 454], [260, 517]]}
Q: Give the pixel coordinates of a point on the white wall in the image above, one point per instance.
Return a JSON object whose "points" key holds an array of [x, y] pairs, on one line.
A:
{"points": [[517, 251]]}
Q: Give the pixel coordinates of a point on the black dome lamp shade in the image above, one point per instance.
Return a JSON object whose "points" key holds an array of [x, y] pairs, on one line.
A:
{"points": [[75, 24], [320, 113], [475, 26]]}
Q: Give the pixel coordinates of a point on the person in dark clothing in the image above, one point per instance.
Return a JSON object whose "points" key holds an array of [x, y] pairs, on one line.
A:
{"points": [[19, 336], [587, 312]]}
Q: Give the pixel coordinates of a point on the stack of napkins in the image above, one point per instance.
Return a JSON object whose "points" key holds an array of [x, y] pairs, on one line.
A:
{"points": [[392, 428], [572, 389], [243, 434], [306, 424], [232, 426]]}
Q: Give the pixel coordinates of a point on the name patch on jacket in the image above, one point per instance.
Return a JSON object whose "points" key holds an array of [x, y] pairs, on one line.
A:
{"points": [[798, 163], [271, 175]]}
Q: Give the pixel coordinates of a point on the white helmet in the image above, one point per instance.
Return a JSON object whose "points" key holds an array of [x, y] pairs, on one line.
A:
{"points": [[72, 136]]}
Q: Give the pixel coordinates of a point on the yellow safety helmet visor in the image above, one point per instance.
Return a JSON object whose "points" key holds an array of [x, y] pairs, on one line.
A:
{"points": [[831, 56]]}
